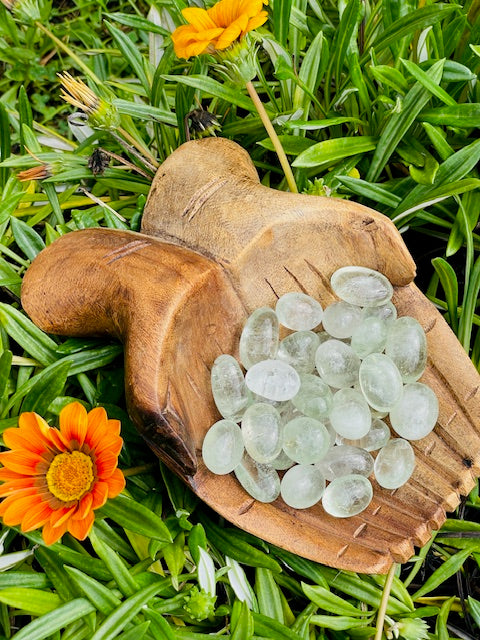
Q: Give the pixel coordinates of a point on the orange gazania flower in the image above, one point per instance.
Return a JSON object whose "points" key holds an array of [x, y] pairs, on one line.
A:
{"points": [[217, 28], [56, 478]]}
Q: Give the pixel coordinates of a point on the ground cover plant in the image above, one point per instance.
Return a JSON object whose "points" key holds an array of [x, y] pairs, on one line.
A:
{"points": [[374, 101]]}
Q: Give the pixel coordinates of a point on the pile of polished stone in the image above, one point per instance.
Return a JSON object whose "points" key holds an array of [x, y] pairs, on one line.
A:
{"points": [[312, 405]]}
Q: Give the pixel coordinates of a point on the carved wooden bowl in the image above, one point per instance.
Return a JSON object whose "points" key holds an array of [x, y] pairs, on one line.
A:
{"points": [[215, 245]]}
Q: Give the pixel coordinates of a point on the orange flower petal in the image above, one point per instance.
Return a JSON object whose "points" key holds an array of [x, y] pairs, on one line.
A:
{"points": [[14, 485], [36, 517], [73, 423], [59, 517], [101, 490], [108, 443], [18, 508], [198, 18], [97, 426], [7, 474], [116, 483], [256, 21], [81, 528], [24, 462], [106, 465], [53, 534], [229, 35], [195, 49], [84, 506]]}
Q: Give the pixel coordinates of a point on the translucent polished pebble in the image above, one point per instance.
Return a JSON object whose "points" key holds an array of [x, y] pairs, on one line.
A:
{"points": [[340, 319], [222, 448], [369, 337], [416, 414], [407, 347], [305, 440], [229, 390], [343, 460], [380, 381], [314, 397], [261, 481], [394, 464], [386, 312], [347, 496], [298, 350], [375, 439], [337, 363], [262, 432], [350, 415], [273, 379], [302, 486], [298, 311], [361, 286], [259, 338], [282, 462]]}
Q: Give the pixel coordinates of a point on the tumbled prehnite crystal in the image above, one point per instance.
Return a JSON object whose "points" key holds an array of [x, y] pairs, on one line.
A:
{"points": [[259, 338], [340, 319], [347, 496], [282, 462], [380, 381], [375, 439], [262, 432], [407, 347], [314, 397], [305, 440], [222, 448], [369, 336], [386, 312], [337, 364], [350, 415], [261, 481], [273, 379], [394, 463], [298, 350], [416, 413], [229, 390], [343, 460], [302, 486], [361, 286], [298, 311]]}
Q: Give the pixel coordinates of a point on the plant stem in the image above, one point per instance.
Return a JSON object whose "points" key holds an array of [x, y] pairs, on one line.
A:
{"points": [[384, 602], [277, 145], [131, 140]]}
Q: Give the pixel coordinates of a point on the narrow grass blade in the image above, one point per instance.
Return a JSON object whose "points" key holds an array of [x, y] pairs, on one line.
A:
{"points": [[330, 602], [36, 343], [461, 115], [137, 22], [370, 190], [448, 279], [51, 622], [33, 601], [242, 622], [5, 144], [48, 386], [134, 516], [131, 54], [330, 151], [292, 145], [281, 20], [424, 78], [29, 579], [445, 571], [268, 595], [269, 628], [116, 566], [100, 596], [311, 72], [339, 623], [28, 240]]}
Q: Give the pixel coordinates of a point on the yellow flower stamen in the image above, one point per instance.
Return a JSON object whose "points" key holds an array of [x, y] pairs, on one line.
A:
{"points": [[70, 475]]}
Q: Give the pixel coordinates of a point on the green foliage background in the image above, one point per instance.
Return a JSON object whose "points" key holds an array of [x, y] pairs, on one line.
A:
{"points": [[374, 101]]}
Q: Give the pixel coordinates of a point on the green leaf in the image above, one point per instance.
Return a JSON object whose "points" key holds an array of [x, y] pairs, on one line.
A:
{"points": [[343, 36], [448, 279], [425, 80], [137, 22], [445, 571], [36, 343], [132, 515], [5, 144], [33, 601], [311, 72], [474, 607], [51, 622], [114, 563], [25, 113], [330, 151], [390, 77], [370, 190], [24, 579], [268, 595], [281, 20], [28, 240], [292, 145], [100, 596], [339, 623], [92, 359], [400, 122], [242, 626], [269, 628], [312, 125], [48, 386], [54, 568], [132, 54], [138, 632], [461, 115], [330, 602]]}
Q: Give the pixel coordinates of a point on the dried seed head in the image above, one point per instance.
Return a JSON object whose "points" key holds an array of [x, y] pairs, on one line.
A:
{"points": [[101, 114], [35, 173], [98, 161]]}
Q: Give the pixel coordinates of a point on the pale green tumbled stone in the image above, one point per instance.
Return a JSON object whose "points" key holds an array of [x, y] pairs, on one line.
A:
{"points": [[282, 462], [302, 486], [222, 448], [229, 390], [375, 439], [350, 415], [261, 481], [259, 338], [347, 496], [305, 440], [314, 398], [394, 464], [298, 350], [416, 413], [386, 312], [273, 379], [337, 364], [380, 381], [343, 460], [298, 311], [340, 319], [369, 337], [407, 347], [262, 432], [361, 286]]}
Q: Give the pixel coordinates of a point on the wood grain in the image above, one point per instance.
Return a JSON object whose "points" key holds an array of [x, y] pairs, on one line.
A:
{"points": [[225, 245]]}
